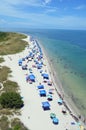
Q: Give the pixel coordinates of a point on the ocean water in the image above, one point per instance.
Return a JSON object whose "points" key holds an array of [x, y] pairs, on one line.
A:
{"points": [[66, 50]]}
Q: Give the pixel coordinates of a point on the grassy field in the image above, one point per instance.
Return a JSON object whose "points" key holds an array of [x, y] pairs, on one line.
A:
{"points": [[10, 43]]}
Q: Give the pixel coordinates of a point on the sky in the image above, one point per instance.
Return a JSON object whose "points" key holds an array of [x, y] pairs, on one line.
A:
{"points": [[54, 14]]}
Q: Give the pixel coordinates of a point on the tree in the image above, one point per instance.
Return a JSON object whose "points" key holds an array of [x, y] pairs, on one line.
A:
{"points": [[11, 100]]}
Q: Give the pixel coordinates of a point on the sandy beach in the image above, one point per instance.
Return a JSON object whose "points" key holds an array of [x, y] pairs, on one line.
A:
{"points": [[33, 115]]}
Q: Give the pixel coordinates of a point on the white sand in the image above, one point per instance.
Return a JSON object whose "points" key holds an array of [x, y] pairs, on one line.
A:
{"points": [[32, 114]]}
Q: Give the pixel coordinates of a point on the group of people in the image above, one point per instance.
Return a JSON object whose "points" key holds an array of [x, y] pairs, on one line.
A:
{"points": [[36, 57]]}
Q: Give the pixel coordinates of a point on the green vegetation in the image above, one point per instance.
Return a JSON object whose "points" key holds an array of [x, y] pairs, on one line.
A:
{"points": [[1, 59], [11, 100], [6, 112], [10, 86], [11, 43], [17, 125], [4, 124], [4, 71], [3, 36]]}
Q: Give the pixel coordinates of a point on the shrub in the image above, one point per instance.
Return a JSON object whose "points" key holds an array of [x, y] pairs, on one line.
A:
{"points": [[17, 127], [16, 124], [11, 100]]}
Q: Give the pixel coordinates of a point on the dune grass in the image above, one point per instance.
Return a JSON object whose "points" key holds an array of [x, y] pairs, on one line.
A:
{"points": [[6, 112], [3, 36], [1, 59], [11, 43], [4, 123], [10, 86], [16, 124], [4, 72]]}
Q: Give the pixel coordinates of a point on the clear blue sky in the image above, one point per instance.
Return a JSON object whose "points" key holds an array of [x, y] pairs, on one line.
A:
{"points": [[60, 14]]}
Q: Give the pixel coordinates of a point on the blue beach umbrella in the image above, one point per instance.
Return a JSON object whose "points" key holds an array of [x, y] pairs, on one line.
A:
{"points": [[55, 120], [45, 76], [32, 77], [42, 92], [46, 105], [20, 62], [40, 87], [39, 66]]}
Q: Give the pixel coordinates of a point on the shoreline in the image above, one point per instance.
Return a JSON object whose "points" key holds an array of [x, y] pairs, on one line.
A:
{"points": [[32, 114], [68, 103]]}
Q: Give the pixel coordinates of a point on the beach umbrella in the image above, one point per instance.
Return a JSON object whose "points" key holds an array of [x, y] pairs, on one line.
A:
{"points": [[46, 105], [30, 54], [45, 76], [42, 92], [60, 101], [55, 120], [40, 87], [52, 115], [39, 66], [32, 77], [49, 97], [20, 62]]}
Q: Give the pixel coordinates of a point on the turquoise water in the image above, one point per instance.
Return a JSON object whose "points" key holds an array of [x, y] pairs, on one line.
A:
{"points": [[67, 50]]}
